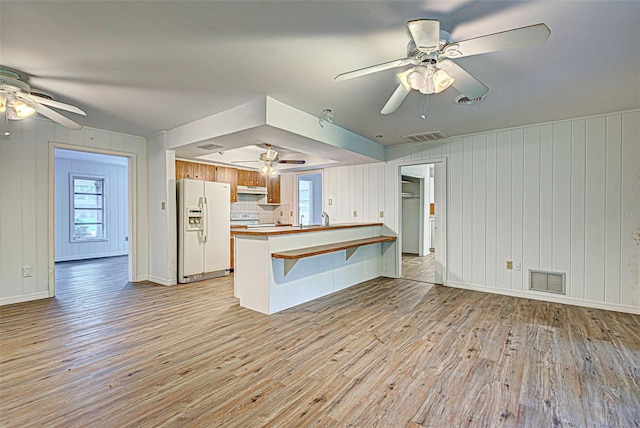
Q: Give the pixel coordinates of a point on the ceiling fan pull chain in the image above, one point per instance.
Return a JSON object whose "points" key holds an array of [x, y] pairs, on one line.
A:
{"points": [[423, 116], [6, 125]]}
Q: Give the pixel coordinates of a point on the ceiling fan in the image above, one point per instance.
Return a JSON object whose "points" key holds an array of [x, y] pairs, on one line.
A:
{"points": [[270, 158], [430, 52], [18, 102]]}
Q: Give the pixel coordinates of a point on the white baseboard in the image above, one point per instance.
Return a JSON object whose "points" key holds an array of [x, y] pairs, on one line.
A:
{"points": [[24, 298], [162, 281], [548, 298], [89, 256]]}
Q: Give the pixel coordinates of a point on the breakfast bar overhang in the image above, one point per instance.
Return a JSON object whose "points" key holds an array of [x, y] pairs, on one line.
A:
{"points": [[277, 268]]}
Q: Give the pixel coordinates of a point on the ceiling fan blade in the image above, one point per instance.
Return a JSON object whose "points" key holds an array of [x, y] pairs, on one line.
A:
{"points": [[520, 37], [373, 69], [396, 99], [293, 161], [466, 83], [55, 116], [425, 33], [56, 104]]}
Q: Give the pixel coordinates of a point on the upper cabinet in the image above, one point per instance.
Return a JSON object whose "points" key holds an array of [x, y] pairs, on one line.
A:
{"points": [[251, 178], [273, 189], [228, 175], [235, 177], [195, 171], [184, 170]]}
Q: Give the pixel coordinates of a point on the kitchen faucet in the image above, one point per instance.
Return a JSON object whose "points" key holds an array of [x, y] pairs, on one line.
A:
{"points": [[301, 218], [325, 219]]}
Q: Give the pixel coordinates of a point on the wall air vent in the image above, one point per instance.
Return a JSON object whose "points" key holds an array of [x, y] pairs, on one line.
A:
{"points": [[549, 282], [210, 147], [426, 136]]}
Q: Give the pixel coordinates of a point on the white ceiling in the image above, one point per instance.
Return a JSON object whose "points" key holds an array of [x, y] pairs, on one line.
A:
{"points": [[142, 67]]}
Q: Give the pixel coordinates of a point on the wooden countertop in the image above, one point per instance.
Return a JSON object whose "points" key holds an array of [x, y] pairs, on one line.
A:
{"points": [[280, 230]]}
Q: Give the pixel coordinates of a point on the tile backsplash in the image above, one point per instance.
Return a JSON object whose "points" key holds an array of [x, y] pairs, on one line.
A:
{"points": [[249, 204]]}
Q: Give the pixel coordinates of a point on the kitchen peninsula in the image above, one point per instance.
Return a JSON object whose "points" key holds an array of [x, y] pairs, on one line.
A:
{"points": [[280, 267]]}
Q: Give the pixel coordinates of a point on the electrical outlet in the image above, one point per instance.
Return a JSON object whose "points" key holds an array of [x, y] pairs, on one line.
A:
{"points": [[27, 271], [355, 213], [381, 214], [517, 266], [163, 205], [509, 264], [330, 202], [280, 213], [290, 213]]}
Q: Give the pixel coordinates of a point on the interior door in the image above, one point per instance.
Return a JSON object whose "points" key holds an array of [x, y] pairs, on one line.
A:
{"points": [[217, 215]]}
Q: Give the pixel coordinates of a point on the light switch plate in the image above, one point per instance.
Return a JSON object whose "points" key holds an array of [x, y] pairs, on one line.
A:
{"points": [[355, 213], [330, 202], [381, 214], [509, 264]]}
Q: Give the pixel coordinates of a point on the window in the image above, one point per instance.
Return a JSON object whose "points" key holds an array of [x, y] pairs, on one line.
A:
{"points": [[310, 198], [87, 208]]}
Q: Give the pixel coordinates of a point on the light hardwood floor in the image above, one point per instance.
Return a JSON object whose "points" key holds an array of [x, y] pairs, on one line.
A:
{"points": [[389, 353], [419, 268]]}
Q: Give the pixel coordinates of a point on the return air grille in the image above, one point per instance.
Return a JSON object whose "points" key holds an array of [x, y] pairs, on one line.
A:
{"points": [[210, 147], [427, 136], [549, 282]]}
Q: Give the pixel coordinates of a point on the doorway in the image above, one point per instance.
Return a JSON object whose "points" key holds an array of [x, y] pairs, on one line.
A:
{"points": [[91, 212], [421, 214]]}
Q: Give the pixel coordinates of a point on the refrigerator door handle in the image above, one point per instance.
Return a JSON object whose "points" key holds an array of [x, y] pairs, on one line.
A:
{"points": [[203, 222]]}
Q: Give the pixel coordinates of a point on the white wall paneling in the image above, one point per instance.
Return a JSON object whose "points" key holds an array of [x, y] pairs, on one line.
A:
{"points": [[115, 210], [562, 196], [26, 202]]}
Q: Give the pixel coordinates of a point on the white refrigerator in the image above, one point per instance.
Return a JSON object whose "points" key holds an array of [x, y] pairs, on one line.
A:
{"points": [[203, 229]]}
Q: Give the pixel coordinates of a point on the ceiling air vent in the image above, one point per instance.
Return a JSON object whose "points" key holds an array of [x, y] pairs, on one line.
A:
{"points": [[426, 136], [466, 101], [210, 147]]}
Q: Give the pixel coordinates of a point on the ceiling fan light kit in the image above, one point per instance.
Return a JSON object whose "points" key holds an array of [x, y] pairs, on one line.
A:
{"points": [[17, 102], [430, 51]]}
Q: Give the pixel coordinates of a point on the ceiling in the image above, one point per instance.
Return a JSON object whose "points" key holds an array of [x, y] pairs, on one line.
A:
{"points": [[142, 67]]}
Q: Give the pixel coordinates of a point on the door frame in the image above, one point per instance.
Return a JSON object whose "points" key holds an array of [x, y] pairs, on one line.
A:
{"points": [[131, 215], [441, 198]]}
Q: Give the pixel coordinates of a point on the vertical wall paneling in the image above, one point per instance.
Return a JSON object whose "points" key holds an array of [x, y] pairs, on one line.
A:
{"points": [[531, 199], [467, 210], [27, 237], [517, 205], [503, 212], [561, 236], [29, 205], [546, 196], [575, 288], [360, 176], [491, 229], [479, 209], [455, 237], [346, 201], [595, 208], [613, 168], [45, 133], [563, 196], [630, 214]]}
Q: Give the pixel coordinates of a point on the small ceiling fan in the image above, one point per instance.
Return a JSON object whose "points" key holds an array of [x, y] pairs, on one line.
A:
{"points": [[18, 101], [270, 158], [430, 51]]}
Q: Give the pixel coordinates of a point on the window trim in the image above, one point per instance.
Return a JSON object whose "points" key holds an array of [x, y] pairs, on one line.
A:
{"points": [[72, 177]]}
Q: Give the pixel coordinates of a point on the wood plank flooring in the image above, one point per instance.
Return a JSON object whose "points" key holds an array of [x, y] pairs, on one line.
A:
{"points": [[419, 268], [388, 353]]}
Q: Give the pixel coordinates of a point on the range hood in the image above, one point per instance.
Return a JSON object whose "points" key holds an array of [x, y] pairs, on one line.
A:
{"points": [[252, 190]]}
